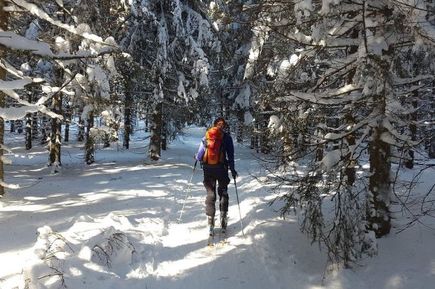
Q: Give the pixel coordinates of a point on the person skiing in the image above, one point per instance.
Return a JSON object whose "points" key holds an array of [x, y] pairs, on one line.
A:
{"points": [[216, 155]]}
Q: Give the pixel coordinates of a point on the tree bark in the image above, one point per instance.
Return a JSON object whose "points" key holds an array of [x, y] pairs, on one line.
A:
{"points": [[378, 215], [19, 125], [56, 136], [431, 147], [29, 126], [155, 129], [350, 139], [68, 116], [127, 117], [28, 131], [264, 138], [163, 131], [90, 144], [3, 26], [81, 130], [44, 130], [35, 125], [409, 160], [240, 125]]}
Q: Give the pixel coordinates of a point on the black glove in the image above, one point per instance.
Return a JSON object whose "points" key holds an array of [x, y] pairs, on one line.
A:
{"points": [[234, 173]]}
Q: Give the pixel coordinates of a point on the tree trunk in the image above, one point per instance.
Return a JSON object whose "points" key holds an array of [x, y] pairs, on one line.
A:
{"points": [[155, 129], [81, 130], [240, 125], [409, 160], [56, 136], [29, 126], [90, 144], [264, 138], [254, 136], [19, 126], [431, 141], [378, 215], [3, 26], [350, 139], [68, 115], [127, 118], [35, 127], [147, 117], [28, 131], [163, 131], [44, 130]]}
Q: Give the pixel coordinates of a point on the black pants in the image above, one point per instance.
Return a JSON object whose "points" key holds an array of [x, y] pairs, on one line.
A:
{"points": [[213, 176]]}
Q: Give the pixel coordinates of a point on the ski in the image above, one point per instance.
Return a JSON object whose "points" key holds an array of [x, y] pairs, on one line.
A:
{"points": [[219, 240], [223, 237]]}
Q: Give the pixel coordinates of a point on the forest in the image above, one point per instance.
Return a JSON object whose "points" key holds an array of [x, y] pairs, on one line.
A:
{"points": [[336, 97]]}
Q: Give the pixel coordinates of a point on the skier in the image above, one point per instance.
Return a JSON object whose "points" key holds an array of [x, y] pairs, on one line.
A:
{"points": [[216, 155]]}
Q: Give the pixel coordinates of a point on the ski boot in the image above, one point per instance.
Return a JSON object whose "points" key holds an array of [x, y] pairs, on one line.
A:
{"points": [[211, 225], [224, 221]]}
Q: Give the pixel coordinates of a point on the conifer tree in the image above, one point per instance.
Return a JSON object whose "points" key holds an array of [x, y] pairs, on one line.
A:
{"points": [[328, 73]]}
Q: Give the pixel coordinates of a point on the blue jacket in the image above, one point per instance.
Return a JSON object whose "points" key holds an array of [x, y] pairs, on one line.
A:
{"points": [[228, 146]]}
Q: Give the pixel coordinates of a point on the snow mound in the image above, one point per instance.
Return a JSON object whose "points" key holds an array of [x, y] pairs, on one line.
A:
{"points": [[78, 258]]}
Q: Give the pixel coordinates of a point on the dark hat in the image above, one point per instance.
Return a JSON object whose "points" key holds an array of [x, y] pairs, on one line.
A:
{"points": [[218, 120]]}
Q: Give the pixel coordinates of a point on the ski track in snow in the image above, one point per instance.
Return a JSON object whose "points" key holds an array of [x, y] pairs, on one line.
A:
{"points": [[123, 193], [142, 200]]}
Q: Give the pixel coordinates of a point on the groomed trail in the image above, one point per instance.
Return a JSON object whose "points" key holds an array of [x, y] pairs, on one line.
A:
{"points": [[123, 192]]}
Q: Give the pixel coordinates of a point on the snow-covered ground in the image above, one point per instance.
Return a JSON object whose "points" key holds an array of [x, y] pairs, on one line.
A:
{"points": [[113, 224]]}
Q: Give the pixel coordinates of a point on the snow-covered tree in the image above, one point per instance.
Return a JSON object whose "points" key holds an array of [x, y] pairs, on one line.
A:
{"points": [[56, 63], [335, 89], [169, 40]]}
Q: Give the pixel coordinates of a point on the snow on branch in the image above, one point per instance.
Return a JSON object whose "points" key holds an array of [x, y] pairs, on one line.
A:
{"points": [[35, 10], [417, 12], [14, 84], [405, 81], [342, 95], [17, 113], [393, 134], [14, 41], [17, 42], [17, 73], [338, 66]]}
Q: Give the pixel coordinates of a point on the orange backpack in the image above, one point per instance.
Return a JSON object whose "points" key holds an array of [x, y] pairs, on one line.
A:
{"points": [[213, 146]]}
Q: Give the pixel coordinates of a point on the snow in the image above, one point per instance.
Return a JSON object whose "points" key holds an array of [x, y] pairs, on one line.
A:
{"points": [[274, 123], [331, 159], [20, 112], [326, 5], [97, 74], [113, 224], [14, 41], [243, 98], [248, 118], [255, 47], [35, 10]]}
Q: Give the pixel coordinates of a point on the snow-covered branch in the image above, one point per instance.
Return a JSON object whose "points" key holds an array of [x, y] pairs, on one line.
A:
{"points": [[36, 11], [17, 42]]}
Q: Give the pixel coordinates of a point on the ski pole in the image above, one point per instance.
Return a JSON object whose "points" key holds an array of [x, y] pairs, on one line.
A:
{"points": [[238, 204], [187, 191]]}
